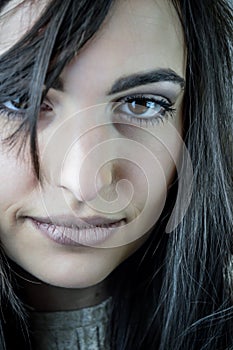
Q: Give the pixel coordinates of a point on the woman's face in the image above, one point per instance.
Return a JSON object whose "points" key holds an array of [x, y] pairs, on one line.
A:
{"points": [[109, 139]]}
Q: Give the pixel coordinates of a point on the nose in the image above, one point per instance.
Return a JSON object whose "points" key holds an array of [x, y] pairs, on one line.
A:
{"points": [[84, 174], [84, 167]]}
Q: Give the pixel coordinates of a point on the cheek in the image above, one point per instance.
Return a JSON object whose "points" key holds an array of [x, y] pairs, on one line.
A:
{"points": [[152, 159], [16, 180]]}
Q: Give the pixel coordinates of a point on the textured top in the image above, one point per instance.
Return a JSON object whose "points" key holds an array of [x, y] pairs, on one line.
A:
{"points": [[84, 329]]}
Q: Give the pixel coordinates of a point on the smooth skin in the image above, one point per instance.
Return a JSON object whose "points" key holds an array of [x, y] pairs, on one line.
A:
{"points": [[79, 130]]}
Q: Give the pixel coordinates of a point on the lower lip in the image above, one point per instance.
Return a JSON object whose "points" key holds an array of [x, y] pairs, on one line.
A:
{"points": [[77, 237]]}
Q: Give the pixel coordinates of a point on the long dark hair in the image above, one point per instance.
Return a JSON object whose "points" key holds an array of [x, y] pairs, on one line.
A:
{"points": [[176, 291]]}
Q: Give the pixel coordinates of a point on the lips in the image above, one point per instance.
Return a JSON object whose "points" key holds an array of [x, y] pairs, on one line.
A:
{"points": [[68, 230]]}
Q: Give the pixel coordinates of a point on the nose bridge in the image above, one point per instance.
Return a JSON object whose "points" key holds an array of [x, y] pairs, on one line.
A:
{"points": [[84, 160]]}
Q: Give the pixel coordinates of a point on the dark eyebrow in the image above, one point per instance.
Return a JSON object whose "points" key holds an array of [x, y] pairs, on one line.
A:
{"points": [[138, 79]]}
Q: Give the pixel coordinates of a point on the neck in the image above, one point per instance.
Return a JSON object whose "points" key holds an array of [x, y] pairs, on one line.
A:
{"points": [[40, 296]]}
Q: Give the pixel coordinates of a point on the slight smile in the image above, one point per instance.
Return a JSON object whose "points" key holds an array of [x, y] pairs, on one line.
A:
{"points": [[71, 231]]}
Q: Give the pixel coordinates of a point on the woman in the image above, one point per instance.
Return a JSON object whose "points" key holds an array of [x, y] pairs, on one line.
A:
{"points": [[116, 182]]}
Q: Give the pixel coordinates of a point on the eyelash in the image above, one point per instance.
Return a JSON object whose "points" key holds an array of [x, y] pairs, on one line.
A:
{"points": [[20, 113], [165, 104], [11, 114], [167, 107]]}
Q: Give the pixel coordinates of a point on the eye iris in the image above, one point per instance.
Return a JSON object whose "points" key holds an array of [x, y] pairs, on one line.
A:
{"points": [[20, 103], [142, 106]]}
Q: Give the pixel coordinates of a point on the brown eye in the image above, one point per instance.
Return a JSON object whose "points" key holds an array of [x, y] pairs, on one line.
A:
{"points": [[17, 104], [144, 107], [20, 103]]}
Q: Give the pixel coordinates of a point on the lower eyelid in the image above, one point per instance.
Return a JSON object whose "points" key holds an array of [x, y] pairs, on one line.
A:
{"points": [[143, 122]]}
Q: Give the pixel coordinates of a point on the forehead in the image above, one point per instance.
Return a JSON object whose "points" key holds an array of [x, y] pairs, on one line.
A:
{"points": [[141, 28], [136, 34]]}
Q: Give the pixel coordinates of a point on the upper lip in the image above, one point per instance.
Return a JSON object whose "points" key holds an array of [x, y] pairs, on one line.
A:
{"points": [[77, 222]]}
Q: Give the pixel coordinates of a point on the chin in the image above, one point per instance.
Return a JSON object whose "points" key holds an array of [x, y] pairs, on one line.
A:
{"points": [[75, 283], [70, 267], [74, 277]]}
